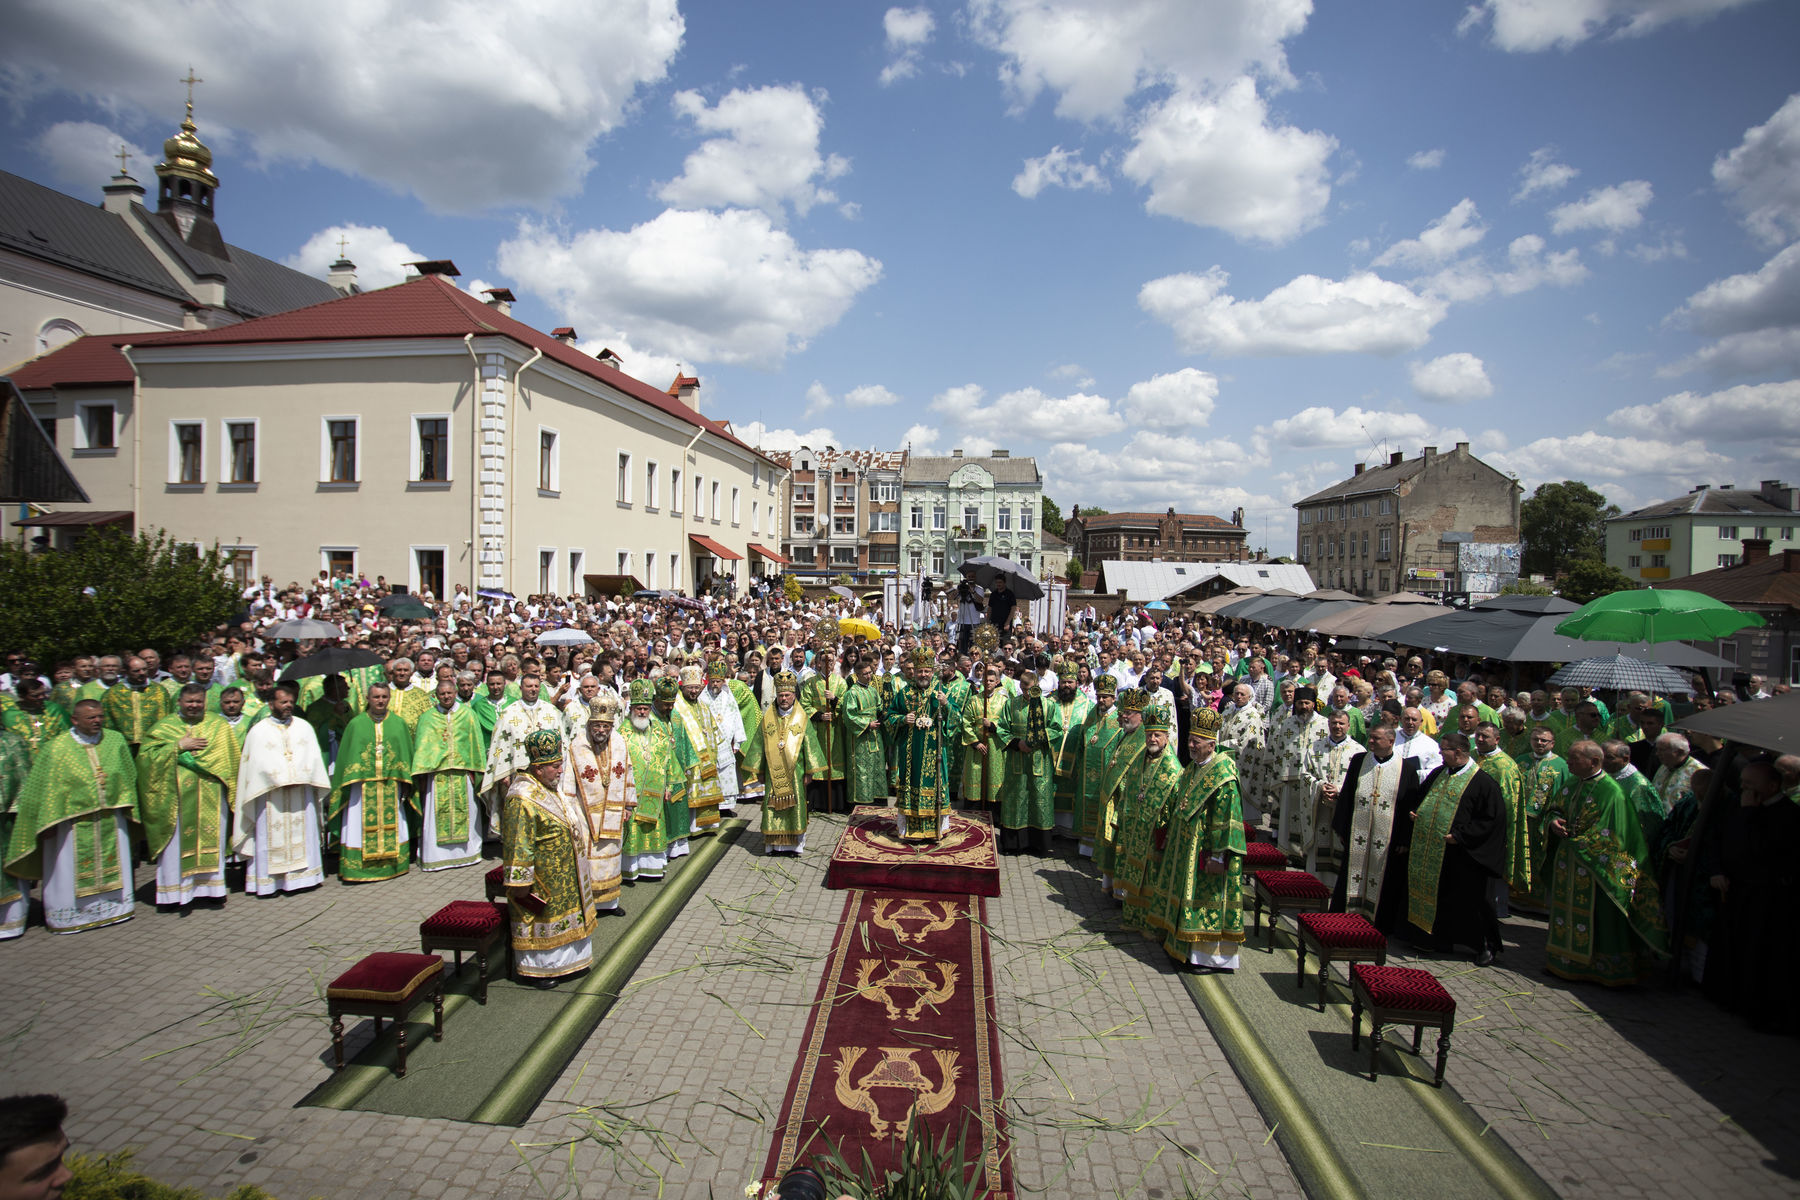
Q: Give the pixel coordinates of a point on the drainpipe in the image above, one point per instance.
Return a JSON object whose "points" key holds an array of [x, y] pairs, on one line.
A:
{"points": [[137, 437], [681, 537], [475, 546], [512, 446]]}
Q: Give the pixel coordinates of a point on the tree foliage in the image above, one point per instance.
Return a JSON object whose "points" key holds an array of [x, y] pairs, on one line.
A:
{"points": [[147, 590], [1524, 587], [1589, 579], [790, 587], [1051, 519], [1073, 572], [1563, 523]]}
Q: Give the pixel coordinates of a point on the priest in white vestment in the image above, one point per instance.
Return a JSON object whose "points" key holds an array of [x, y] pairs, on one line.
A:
{"points": [[506, 753], [282, 783], [728, 731], [1323, 773]]}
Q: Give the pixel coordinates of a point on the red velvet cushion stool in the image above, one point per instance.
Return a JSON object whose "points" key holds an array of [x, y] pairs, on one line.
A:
{"points": [[1400, 996], [496, 887], [1261, 856], [1286, 891], [472, 925], [386, 986], [1337, 937]]}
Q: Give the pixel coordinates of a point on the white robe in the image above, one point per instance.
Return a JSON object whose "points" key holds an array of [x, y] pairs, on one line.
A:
{"points": [[64, 911], [728, 721], [175, 887], [443, 856], [281, 781]]}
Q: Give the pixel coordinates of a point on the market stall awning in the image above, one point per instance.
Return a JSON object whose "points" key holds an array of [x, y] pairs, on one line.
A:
{"points": [[767, 553], [712, 547], [96, 516]]}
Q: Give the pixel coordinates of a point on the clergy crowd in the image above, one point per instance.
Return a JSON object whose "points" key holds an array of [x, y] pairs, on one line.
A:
{"points": [[1436, 795]]}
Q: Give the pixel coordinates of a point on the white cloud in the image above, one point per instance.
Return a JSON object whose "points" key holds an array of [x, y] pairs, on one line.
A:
{"points": [[1760, 352], [908, 31], [784, 440], [1095, 55], [766, 154], [1074, 372], [367, 89], [1363, 314], [1059, 168], [921, 439], [1614, 209], [818, 399], [1453, 378], [1749, 413], [657, 369], [84, 156], [1530, 267], [869, 395], [380, 259], [1443, 239], [1320, 426], [1426, 160], [1542, 173], [706, 287], [1531, 25], [1030, 413], [1216, 160], [1598, 456], [1762, 299], [1664, 247], [1177, 400], [1761, 175]]}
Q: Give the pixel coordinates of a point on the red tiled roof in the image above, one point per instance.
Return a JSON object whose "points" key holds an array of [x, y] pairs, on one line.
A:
{"points": [[712, 547], [1773, 580], [85, 362], [427, 307]]}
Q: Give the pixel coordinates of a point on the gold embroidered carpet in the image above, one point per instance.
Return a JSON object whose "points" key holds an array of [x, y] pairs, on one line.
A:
{"points": [[870, 854], [903, 1029]]}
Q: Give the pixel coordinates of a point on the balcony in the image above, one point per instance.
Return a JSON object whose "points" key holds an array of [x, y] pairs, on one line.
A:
{"points": [[1654, 545], [1653, 573]]}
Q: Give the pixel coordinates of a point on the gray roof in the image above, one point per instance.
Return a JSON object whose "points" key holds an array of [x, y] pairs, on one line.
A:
{"points": [[1709, 501], [46, 224], [1379, 479], [1147, 581], [934, 469]]}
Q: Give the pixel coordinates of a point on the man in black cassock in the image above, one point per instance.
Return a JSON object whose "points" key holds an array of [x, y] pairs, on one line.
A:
{"points": [[1458, 849], [1371, 815]]}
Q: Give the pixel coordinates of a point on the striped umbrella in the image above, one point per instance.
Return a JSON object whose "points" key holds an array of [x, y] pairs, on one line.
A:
{"points": [[1620, 672]]}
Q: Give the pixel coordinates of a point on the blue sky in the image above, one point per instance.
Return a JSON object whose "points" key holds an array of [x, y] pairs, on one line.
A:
{"points": [[1201, 255]]}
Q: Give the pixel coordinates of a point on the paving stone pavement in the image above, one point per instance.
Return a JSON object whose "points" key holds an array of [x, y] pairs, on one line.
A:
{"points": [[194, 1036]]}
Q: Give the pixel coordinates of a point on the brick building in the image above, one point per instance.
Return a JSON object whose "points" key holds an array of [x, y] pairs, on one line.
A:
{"points": [[844, 508], [1148, 537]]}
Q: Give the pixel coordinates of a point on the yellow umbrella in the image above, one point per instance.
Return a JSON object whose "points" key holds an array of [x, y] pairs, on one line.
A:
{"points": [[858, 627]]}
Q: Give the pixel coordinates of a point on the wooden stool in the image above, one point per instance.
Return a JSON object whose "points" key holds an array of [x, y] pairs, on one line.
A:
{"points": [[473, 925], [1263, 856], [1400, 996], [1337, 937], [390, 986], [496, 889], [1286, 891]]}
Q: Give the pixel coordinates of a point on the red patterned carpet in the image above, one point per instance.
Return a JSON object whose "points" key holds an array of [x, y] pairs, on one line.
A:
{"points": [[870, 854], [903, 1024]]}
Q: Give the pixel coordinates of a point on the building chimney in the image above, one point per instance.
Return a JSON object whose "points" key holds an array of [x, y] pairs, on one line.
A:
{"points": [[564, 334], [1462, 447], [1429, 453], [1756, 550], [121, 194], [999, 453], [610, 359], [500, 300], [343, 277], [1702, 487], [1396, 458], [434, 266], [956, 454], [1780, 494], [686, 389], [1790, 562], [1357, 470]]}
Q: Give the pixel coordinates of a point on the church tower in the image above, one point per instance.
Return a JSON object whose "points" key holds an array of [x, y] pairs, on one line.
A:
{"points": [[186, 184]]}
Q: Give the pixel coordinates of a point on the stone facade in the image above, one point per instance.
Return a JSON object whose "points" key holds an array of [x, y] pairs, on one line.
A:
{"points": [[1152, 537]]}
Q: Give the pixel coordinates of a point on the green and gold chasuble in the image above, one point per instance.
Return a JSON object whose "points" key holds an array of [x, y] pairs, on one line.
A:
{"points": [[1128, 751], [654, 772], [36, 729], [780, 749], [379, 758], [859, 720], [1100, 734], [1606, 917], [749, 712], [1644, 799], [189, 789], [1144, 799], [956, 693], [1192, 909], [921, 791], [72, 781], [487, 716], [544, 849], [886, 684], [68, 693], [410, 704], [983, 775], [1542, 779], [15, 769], [135, 711], [1028, 792], [1067, 719], [1505, 772], [1437, 813], [695, 738], [448, 745], [827, 747]]}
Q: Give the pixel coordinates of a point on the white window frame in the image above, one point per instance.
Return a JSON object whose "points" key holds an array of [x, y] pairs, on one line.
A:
{"points": [[413, 583], [175, 425], [577, 560], [650, 568], [915, 516], [675, 491], [737, 508], [716, 511], [1728, 533], [1003, 518], [675, 572], [940, 521], [651, 468], [937, 561], [325, 479], [417, 445], [80, 441], [1026, 520], [226, 482], [325, 553], [555, 488], [756, 516], [623, 558], [623, 498], [555, 565], [699, 496]]}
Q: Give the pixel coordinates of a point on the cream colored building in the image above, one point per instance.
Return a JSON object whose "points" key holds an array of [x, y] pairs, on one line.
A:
{"points": [[413, 432]]}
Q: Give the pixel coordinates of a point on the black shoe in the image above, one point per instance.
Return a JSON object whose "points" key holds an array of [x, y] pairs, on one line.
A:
{"points": [[1485, 957]]}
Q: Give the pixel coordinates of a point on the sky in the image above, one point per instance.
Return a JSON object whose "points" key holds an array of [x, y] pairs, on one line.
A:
{"points": [[1200, 255]]}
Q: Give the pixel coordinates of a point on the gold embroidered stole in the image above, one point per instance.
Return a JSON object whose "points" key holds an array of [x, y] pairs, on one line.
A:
{"points": [[1371, 829], [783, 738]]}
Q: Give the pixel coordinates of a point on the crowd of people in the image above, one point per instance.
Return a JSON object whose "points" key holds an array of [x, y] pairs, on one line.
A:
{"points": [[1439, 796]]}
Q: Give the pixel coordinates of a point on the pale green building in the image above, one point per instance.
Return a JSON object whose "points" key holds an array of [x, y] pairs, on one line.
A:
{"points": [[1702, 531], [954, 507]]}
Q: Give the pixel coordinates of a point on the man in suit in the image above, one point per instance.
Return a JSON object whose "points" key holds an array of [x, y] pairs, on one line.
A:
{"points": [[1371, 814]]}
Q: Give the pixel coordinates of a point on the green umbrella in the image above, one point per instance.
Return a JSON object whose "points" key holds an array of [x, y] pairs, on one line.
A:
{"points": [[408, 612], [1655, 615]]}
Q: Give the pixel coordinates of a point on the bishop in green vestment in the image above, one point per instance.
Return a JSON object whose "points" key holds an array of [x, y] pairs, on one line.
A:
{"points": [[1196, 901], [447, 763], [550, 898], [69, 825], [187, 785], [1606, 918], [1028, 795], [371, 789], [779, 753], [919, 722], [646, 850], [1100, 734], [749, 712], [859, 717], [1147, 790], [1645, 800], [1069, 714]]}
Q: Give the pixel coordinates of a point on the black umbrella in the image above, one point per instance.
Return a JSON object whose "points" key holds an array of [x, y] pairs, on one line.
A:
{"points": [[1770, 724], [1525, 637], [408, 612], [330, 661], [1537, 605], [989, 569]]}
